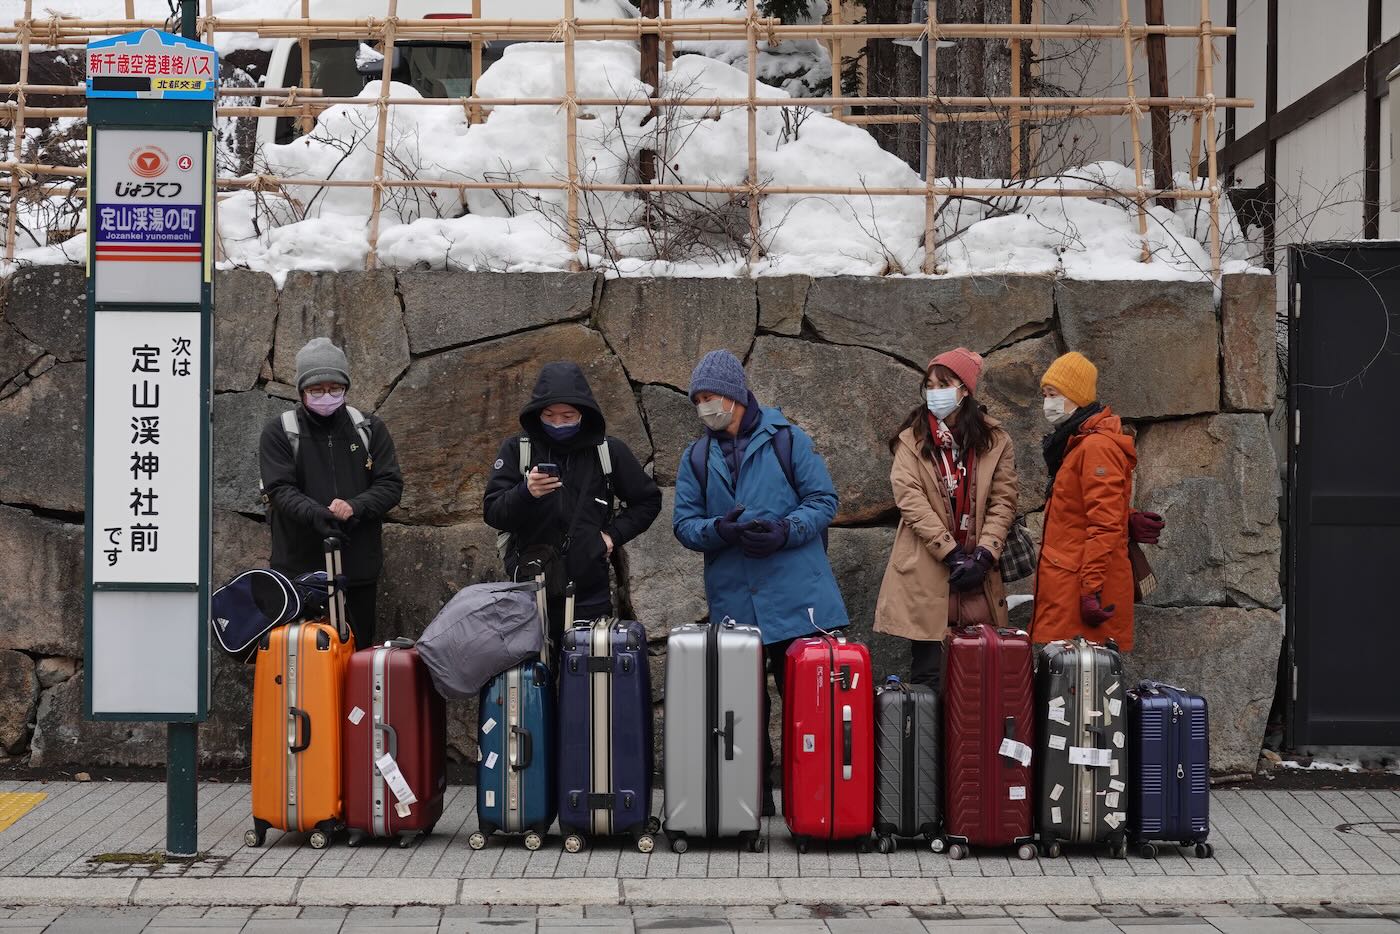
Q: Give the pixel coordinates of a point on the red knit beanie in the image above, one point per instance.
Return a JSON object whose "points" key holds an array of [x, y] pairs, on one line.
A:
{"points": [[965, 364]]}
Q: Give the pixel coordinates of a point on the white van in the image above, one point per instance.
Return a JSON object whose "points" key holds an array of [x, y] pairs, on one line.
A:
{"points": [[433, 68]]}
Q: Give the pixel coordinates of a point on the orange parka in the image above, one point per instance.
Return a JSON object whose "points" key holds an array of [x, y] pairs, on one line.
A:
{"points": [[1085, 546]]}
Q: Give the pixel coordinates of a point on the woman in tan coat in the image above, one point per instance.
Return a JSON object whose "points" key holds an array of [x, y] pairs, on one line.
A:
{"points": [[954, 480]]}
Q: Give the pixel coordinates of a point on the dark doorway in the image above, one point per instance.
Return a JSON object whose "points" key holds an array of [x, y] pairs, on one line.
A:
{"points": [[1344, 489]]}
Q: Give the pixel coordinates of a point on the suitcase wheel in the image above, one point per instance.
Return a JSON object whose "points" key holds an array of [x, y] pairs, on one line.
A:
{"points": [[254, 838], [319, 840], [477, 841], [1118, 850], [1148, 851], [355, 838], [863, 845], [801, 843], [409, 839], [885, 845], [533, 841], [1027, 851], [1205, 851], [646, 843], [957, 851], [653, 825], [679, 844], [1051, 850], [937, 844], [756, 844], [573, 843]]}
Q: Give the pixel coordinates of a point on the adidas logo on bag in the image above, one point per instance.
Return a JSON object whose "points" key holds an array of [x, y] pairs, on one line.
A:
{"points": [[222, 624]]}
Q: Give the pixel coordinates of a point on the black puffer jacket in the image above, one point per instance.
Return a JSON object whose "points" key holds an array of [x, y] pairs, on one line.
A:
{"points": [[509, 507], [331, 463]]}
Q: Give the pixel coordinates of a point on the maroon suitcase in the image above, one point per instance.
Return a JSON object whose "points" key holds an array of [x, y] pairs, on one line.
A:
{"points": [[394, 765], [989, 734]]}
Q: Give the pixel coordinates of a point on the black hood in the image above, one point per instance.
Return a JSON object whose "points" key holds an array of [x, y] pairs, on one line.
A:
{"points": [[564, 382]]}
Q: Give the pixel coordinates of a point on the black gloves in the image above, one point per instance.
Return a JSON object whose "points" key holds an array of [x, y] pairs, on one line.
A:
{"points": [[971, 570], [764, 537], [729, 528]]}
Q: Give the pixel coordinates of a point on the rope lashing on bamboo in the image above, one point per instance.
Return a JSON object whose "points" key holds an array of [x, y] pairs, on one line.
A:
{"points": [[567, 31], [206, 25]]}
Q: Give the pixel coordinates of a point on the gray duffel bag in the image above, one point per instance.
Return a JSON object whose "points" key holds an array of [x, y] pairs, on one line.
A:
{"points": [[483, 631]]}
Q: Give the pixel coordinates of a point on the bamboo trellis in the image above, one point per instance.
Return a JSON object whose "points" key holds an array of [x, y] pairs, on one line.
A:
{"points": [[57, 31]]}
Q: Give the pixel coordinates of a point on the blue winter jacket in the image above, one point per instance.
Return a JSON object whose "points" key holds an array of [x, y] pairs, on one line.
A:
{"points": [[776, 592]]}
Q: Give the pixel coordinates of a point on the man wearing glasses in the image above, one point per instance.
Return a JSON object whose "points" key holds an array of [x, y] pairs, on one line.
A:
{"points": [[328, 469]]}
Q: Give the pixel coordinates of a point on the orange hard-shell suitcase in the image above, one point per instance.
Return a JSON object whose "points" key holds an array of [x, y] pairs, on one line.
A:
{"points": [[297, 691]]}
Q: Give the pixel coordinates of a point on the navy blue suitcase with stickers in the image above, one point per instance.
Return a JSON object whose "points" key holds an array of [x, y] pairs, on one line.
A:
{"points": [[1169, 757]]}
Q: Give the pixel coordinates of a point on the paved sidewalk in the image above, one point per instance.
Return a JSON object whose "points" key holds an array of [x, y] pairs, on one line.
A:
{"points": [[1271, 847], [787, 919]]}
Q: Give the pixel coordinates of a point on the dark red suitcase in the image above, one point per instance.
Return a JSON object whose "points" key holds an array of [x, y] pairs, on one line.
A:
{"points": [[395, 742], [828, 741], [988, 738]]}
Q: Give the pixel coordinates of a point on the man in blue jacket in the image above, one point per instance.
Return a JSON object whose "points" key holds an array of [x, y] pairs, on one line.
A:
{"points": [[755, 497]]}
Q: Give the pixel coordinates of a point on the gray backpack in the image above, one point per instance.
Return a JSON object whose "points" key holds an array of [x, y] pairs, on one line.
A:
{"points": [[483, 631]]}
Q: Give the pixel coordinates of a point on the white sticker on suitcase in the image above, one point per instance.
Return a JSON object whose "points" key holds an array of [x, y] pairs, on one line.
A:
{"points": [[395, 780], [1055, 794], [1056, 816], [491, 760], [1014, 750], [1112, 819], [490, 798], [1111, 689], [1057, 715], [1118, 740], [1111, 799], [809, 742], [1116, 785], [488, 726], [1115, 706], [1094, 758], [1113, 767], [356, 715], [1057, 742], [1018, 792]]}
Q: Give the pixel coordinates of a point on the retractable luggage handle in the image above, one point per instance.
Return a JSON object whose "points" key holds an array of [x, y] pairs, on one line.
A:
{"points": [[847, 742], [525, 749], [542, 605], [334, 591]]}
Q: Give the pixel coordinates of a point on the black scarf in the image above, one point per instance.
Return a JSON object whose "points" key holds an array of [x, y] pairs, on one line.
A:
{"points": [[1053, 444]]}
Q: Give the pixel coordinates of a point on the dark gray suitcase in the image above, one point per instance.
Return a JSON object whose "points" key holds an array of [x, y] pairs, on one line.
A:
{"points": [[715, 733], [1081, 746], [908, 777]]}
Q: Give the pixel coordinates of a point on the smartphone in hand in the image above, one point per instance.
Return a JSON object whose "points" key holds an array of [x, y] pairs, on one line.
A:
{"points": [[551, 470]]}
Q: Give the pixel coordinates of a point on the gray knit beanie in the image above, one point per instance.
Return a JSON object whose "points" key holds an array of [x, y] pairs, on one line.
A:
{"points": [[720, 372], [320, 361]]}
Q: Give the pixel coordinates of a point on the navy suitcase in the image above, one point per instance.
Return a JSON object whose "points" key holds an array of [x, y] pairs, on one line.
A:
{"points": [[515, 792], [605, 751], [1169, 759]]}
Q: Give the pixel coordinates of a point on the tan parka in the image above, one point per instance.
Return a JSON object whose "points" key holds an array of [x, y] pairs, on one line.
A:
{"points": [[914, 596]]}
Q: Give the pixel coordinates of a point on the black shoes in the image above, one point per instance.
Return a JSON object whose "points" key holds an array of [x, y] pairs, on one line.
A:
{"points": [[770, 808]]}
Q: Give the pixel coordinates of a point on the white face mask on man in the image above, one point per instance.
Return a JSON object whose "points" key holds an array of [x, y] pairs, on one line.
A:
{"points": [[1057, 409], [712, 413]]}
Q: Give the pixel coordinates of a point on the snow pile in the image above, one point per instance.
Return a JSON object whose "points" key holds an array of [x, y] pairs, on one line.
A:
{"points": [[99, 10], [802, 67]]}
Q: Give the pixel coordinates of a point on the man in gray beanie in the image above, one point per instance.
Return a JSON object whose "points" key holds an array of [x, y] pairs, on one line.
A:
{"points": [[756, 498], [330, 470]]}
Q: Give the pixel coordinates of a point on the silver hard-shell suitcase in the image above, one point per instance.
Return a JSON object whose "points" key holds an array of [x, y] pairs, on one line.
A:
{"points": [[714, 733], [1080, 707]]}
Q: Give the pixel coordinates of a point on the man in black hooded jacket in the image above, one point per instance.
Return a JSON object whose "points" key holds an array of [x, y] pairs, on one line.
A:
{"points": [[581, 516]]}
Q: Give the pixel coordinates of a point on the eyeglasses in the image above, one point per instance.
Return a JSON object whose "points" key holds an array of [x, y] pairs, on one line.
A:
{"points": [[317, 392]]}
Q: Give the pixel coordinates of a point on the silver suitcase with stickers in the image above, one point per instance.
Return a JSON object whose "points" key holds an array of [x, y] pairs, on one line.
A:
{"points": [[1081, 746]]}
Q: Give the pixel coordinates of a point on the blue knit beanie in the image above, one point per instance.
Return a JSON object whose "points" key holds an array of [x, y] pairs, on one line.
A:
{"points": [[720, 372]]}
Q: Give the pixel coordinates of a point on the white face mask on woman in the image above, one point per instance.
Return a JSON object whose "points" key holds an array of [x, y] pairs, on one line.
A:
{"points": [[1057, 409], [713, 415], [942, 402]]}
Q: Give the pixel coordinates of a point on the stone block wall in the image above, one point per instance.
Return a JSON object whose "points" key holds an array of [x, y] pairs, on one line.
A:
{"points": [[448, 358]]}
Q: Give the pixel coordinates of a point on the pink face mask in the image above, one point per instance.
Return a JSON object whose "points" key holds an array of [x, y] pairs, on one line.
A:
{"points": [[326, 404]]}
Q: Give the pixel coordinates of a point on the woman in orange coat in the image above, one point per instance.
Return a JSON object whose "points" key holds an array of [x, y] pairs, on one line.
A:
{"points": [[1084, 582]]}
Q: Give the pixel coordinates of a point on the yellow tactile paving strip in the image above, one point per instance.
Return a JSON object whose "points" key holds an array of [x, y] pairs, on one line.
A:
{"points": [[16, 804]]}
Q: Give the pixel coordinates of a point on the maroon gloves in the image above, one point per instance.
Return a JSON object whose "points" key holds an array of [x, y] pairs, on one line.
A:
{"points": [[1093, 612], [1145, 527]]}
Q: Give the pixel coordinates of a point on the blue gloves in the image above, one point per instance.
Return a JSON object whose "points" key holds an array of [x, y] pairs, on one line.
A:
{"points": [[729, 527], [764, 537]]}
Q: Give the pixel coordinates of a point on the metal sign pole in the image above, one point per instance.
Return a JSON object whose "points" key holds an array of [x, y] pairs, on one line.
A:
{"points": [[150, 387]]}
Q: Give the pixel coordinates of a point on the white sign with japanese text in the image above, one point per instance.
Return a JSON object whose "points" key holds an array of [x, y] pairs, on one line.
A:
{"points": [[147, 216], [145, 447]]}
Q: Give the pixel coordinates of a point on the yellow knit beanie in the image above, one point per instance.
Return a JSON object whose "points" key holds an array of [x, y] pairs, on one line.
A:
{"points": [[1075, 377]]}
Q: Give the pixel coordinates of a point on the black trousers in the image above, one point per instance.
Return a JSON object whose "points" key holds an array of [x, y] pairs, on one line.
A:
{"points": [[926, 664], [776, 656], [360, 602]]}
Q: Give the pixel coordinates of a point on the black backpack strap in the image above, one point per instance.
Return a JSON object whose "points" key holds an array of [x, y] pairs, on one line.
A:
{"points": [[699, 454], [782, 446]]}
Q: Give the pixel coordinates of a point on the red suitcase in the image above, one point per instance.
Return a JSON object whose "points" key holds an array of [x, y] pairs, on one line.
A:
{"points": [[988, 739], [828, 741], [394, 766]]}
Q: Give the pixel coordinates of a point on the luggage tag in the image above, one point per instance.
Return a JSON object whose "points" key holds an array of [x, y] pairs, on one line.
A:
{"points": [[397, 784], [1094, 758], [1014, 750]]}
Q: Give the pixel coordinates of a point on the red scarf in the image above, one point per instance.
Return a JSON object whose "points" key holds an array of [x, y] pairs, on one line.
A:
{"points": [[953, 470]]}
